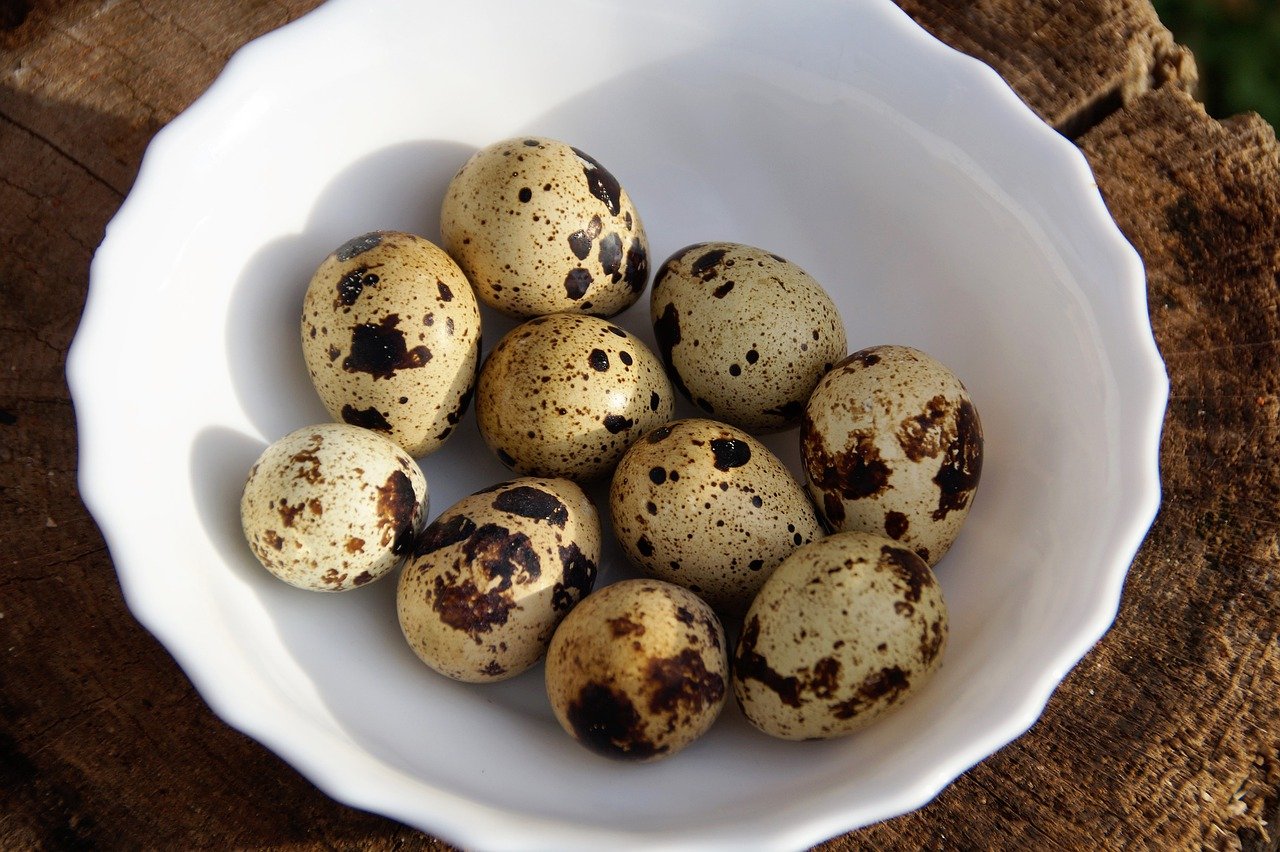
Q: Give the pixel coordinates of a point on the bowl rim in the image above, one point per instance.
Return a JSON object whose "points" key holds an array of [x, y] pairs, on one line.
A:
{"points": [[462, 820]]}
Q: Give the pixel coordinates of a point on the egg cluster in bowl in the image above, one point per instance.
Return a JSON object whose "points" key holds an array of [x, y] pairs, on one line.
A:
{"points": [[836, 630], [944, 217]]}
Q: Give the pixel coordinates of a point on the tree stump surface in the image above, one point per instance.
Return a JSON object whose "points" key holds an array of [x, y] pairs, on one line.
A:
{"points": [[1165, 736]]}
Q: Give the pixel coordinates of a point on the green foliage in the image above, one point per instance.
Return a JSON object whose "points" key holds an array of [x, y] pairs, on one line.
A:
{"points": [[1237, 48]]}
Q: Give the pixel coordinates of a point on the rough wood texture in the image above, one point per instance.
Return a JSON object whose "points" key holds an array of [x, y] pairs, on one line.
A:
{"points": [[1073, 63], [1166, 736]]}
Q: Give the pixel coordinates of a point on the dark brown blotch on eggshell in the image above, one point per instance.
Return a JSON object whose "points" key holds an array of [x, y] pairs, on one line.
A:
{"points": [[533, 503], [704, 268], [730, 453], [889, 684], [750, 664], [636, 272], [603, 184], [896, 524], [853, 472], [396, 507], [579, 576], [666, 331], [444, 532], [506, 557], [365, 418], [308, 461], [611, 256], [925, 435], [358, 245], [910, 570], [463, 606], [682, 683], [606, 721], [616, 423], [658, 434], [962, 465], [790, 411], [624, 626], [577, 282], [352, 284], [379, 349]]}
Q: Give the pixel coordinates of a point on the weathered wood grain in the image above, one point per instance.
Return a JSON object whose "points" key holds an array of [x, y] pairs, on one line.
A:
{"points": [[1073, 63], [1166, 736]]}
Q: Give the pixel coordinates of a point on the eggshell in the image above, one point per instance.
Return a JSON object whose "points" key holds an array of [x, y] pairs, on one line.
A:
{"points": [[331, 507], [493, 575], [706, 506], [891, 443], [541, 227], [743, 333], [638, 670], [844, 631], [391, 338], [565, 395]]}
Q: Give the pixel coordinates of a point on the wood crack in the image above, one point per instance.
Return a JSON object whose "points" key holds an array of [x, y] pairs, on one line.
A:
{"points": [[1155, 60], [63, 152]]}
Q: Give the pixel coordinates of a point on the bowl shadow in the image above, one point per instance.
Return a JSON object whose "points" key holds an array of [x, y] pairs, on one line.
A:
{"points": [[396, 188]]}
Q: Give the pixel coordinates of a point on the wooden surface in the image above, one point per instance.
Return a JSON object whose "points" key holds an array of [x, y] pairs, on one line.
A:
{"points": [[1166, 735]]}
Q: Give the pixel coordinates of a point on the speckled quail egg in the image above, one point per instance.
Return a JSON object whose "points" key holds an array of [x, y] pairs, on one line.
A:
{"points": [[541, 227], [706, 506], [332, 507], [391, 337], [493, 575], [891, 443], [744, 334], [845, 630], [638, 670], [565, 395]]}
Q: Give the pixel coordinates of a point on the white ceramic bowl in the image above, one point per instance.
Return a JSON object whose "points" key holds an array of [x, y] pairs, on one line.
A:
{"points": [[934, 206]]}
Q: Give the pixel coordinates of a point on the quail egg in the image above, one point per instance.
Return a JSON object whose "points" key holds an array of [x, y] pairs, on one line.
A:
{"points": [[706, 506], [493, 575], [566, 394], [891, 443], [541, 227], [391, 337], [638, 670], [744, 334], [332, 507], [842, 632]]}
